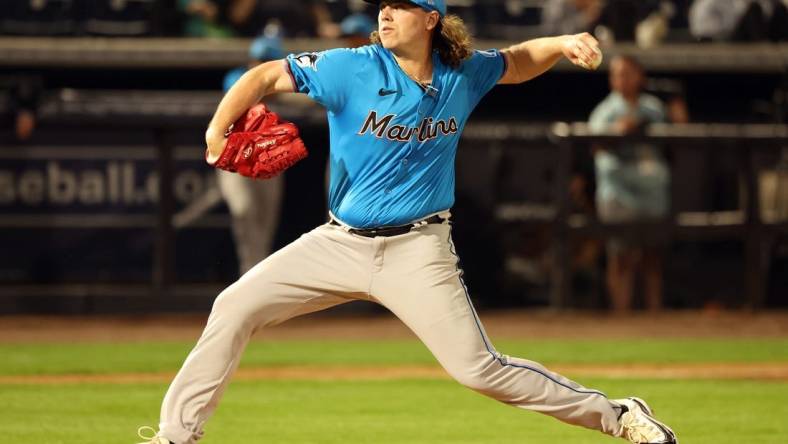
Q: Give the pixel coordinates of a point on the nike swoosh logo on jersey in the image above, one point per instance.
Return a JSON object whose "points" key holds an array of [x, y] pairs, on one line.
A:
{"points": [[386, 92]]}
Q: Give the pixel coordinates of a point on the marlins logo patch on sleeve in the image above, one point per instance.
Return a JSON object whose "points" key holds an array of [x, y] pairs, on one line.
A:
{"points": [[488, 53], [308, 59]]}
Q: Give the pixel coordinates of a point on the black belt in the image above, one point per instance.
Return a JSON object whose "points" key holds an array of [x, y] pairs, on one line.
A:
{"points": [[391, 231]]}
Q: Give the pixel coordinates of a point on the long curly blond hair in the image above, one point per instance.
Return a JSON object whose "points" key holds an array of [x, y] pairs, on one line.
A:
{"points": [[450, 38]]}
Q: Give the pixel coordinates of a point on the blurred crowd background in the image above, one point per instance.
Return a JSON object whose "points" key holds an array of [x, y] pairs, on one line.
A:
{"points": [[648, 21], [678, 202]]}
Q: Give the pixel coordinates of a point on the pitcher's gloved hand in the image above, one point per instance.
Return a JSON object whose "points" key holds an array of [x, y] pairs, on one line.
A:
{"points": [[260, 145]]}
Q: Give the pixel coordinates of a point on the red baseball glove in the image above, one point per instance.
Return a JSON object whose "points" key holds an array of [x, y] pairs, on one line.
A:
{"points": [[260, 145]]}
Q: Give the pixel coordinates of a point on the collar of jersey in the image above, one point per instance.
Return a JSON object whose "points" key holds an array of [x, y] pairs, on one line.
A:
{"points": [[437, 67]]}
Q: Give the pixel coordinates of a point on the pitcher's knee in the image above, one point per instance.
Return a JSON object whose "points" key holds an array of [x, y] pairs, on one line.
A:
{"points": [[476, 379], [229, 310], [488, 377], [251, 308]]}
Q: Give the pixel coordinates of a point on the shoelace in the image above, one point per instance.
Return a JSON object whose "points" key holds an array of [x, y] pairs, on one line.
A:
{"points": [[639, 430], [148, 439]]}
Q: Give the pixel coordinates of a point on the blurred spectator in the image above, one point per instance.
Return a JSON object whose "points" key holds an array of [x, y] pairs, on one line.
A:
{"points": [[42, 17], [672, 93], [679, 19], [122, 18], [570, 16], [307, 18], [610, 21], [126, 18], [358, 13], [356, 29], [632, 183], [254, 204], [23, 94], [221, 18], [739, 20], [507, 19], [653, 29]]}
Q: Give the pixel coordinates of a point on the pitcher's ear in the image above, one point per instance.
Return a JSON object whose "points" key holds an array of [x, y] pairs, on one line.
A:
{"points": [[432, 20]]}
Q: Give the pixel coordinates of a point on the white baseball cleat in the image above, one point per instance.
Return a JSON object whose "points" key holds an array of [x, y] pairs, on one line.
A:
{"points": [[639, 426], [151, 436]]}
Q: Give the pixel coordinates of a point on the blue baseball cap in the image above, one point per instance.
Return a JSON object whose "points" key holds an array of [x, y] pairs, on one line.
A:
{"points": [[265, 49], [357, 24], [428, 5]]}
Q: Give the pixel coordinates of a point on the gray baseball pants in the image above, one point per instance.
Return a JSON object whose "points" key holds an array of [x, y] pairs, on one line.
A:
{"points": [[416, 276]]}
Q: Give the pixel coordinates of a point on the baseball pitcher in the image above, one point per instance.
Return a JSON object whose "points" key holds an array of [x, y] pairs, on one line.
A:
{"points": [[396, 109]]}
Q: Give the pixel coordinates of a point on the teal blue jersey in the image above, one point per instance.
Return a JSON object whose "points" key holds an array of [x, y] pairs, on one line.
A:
{"points": [[393, 141]]}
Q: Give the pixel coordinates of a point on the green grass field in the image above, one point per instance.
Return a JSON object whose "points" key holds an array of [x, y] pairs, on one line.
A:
{"points": [[428, 411]]}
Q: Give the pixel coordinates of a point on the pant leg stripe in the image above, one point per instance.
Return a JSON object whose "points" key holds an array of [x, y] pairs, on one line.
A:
{"points": [[489, 347]]}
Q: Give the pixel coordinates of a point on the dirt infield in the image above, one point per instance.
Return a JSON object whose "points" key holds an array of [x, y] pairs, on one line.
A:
{"points": [[499, 325]]}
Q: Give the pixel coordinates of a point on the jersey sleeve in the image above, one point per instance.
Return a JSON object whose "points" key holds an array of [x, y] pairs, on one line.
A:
{"points": [[484, 69], [324, 75]]}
